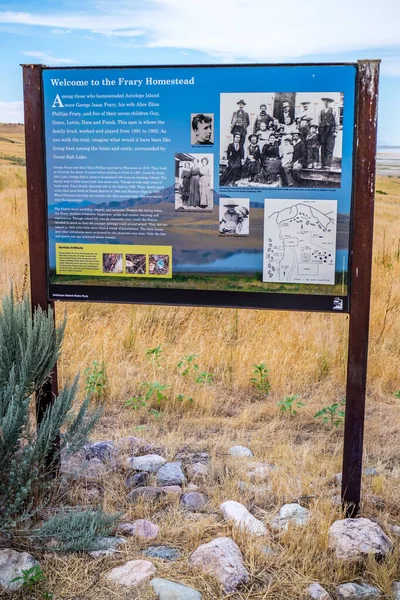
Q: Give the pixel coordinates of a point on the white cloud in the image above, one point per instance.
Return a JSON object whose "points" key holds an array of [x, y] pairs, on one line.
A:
{"points": [[11, 112], [235, 29], [47, 58], [60, 31]]}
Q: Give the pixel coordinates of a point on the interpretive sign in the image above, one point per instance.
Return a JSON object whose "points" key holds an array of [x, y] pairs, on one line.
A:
{"points": [[209, 185], [216, 186]]}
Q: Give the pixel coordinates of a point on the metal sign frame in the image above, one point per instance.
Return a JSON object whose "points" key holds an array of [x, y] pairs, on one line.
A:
{"points": [[360, 258]]}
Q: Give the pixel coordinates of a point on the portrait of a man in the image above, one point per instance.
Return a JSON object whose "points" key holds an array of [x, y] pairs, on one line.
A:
{"points": [[202, 129]]}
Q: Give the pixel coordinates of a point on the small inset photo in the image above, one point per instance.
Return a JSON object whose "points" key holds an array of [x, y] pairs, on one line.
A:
{"points": [[135, 264], [202, 129], [234, 216], [194, 176], [158, 264], [112, 263]]}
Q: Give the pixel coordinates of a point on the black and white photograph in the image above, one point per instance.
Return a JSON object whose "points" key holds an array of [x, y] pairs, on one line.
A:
{"points": [[194, 176], [234, 216], [202, 129], [281, 139]]}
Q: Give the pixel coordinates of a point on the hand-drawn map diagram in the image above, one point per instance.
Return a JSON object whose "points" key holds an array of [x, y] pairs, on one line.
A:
{"points": [[300, 241]]}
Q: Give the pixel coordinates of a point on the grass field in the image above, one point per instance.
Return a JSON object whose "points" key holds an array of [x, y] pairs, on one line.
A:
{"points": [[306, 355]]}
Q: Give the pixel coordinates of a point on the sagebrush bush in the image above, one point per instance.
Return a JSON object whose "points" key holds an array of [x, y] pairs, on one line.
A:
{"points": [[29, 347]]}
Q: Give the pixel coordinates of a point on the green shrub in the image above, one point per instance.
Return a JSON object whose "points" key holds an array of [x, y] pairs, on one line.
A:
{"points": [[29, 347]]}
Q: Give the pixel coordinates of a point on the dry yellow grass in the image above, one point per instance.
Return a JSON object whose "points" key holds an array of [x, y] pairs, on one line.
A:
{"points": [[306, 355]]}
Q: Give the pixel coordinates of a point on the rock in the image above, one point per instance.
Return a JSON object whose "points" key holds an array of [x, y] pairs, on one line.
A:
{"points": [[107, 546], [222, 559], [12, 564], [353, 538], [270, 551], [187, 456], [150, 463], [171, 474], [357, 591], [194, 500], [370, 472], [395, 529], [175, 490], [259, 470], [149, 494], [240, 452], [317, 592], [396, 590], [104, 451], [254, 488], [169, 590], [140, 528], [137, 480], [132, 573], [197, 471], [293, 514], [85, 470], [236, 512], [162, 552], [191, 487]]}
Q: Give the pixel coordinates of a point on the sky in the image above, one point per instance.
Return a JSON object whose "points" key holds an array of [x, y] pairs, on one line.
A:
{"points": [[156, 32]]}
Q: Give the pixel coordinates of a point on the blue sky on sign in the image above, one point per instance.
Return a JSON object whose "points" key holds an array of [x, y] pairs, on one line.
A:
{"points": [[129, 32]]}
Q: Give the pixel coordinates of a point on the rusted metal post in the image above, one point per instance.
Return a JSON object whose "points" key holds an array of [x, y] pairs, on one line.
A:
{"points": [[361, 264], [36, 196]]}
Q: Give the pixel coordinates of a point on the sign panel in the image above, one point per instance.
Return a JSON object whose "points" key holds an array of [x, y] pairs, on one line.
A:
{"points": [[209, 185]]}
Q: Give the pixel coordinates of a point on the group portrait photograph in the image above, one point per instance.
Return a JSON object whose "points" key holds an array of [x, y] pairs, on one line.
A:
{"points": [[194, 175], [282, 139]]}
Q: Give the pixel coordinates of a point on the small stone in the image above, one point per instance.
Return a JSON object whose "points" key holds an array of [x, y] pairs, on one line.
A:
{"points": [[141, 528], [259, 470], [270, 551], [291, 514], [12, 563], [194, 500], [170, 474], [317, 592], [354, 538], [174, 490], [236, 512], [132, 573], [337, 500], [104, 451], [137, 480], [107, 546], [197, 471], [396, 590], [169, 590], [187, 456], [222, 559], [357, 591], [395, 529], [149, 494], [240, 452], [85, 470], [192, 487], [370, 472], [150, 463], [162, 552], [254, 488]]}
